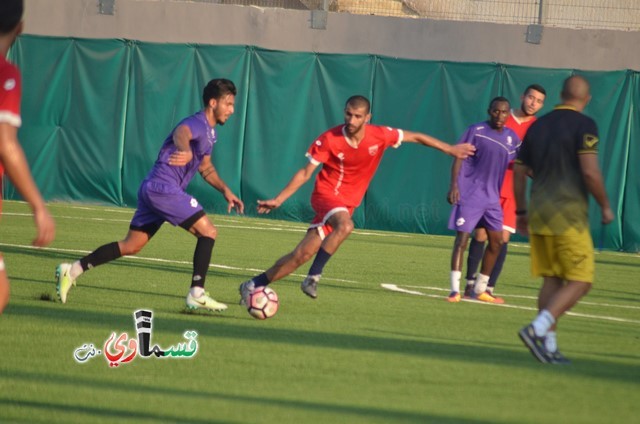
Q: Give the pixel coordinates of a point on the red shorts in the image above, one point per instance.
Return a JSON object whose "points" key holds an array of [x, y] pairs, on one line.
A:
{"points": [[325, 208], [509, 211]]}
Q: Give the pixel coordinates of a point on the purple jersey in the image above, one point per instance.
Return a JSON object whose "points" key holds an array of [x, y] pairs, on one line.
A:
{"points": [[202, 141], [481, 175]]}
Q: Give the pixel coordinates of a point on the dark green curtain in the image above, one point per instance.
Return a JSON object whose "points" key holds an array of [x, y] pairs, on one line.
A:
{"points": [[95, 113]]}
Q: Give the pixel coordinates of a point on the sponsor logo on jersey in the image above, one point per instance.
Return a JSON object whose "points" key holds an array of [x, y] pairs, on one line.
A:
{"points": [[460, 222], [194, 203], [590, 141], [9, 84]]}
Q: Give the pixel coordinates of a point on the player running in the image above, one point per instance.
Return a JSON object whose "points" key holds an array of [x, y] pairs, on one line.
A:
{"points": [[349, 155], [162, 197]]}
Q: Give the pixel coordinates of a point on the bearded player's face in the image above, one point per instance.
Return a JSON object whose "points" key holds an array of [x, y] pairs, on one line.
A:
{"points": [[355, 118], [223, 108]]}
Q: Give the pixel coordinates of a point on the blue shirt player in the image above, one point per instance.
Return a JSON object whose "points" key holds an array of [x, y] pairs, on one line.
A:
{"points": [[162, 197], [475, 195]]}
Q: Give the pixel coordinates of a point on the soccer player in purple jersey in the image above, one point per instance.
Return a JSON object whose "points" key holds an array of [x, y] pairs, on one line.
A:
{"points": [[475, 192], [162, 197]]}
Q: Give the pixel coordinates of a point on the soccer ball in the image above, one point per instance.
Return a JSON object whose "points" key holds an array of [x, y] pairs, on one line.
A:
{"points": [[263, 303]]}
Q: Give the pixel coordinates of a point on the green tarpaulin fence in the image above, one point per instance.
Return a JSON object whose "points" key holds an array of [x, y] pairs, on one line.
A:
{"points": [[95, 113]]}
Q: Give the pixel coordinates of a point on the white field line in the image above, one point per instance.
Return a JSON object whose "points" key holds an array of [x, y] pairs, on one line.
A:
{"points": [[518, 296], [395, 288], [264, 226], [167, 261]]}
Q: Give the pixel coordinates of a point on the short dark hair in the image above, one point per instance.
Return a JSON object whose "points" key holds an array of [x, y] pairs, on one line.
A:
{"points": [[217, 89], [359, 101], [536, 87], [10, 14], [498, 99]]}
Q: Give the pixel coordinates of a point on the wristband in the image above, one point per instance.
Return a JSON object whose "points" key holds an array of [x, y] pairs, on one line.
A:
{"points": [[520, 212]]}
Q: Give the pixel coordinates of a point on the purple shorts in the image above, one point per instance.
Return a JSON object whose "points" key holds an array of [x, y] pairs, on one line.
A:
{"points": [[466, 218], [159, 202]]}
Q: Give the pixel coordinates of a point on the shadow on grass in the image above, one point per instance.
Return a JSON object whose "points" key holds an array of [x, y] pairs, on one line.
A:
{"points": [[462, 352], [129, 414], [92, 383]]}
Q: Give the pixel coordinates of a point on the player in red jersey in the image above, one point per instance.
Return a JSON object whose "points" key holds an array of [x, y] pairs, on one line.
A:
{"points": [[349, 155], [519, 120], [12, 156]]}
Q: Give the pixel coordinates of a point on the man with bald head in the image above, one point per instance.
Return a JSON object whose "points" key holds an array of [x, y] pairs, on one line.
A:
{"points": [[560, 153]]}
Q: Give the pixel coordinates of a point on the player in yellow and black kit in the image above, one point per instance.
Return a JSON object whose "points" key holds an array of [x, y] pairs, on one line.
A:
{"points": [[560, 153]]}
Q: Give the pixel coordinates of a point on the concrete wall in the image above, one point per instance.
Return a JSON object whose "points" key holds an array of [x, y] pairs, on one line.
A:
{"points": [[290, 30]]}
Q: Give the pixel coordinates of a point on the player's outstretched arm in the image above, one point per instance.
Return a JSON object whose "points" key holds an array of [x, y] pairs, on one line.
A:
{"points": [[461, 151], [297, 181], [210, 175], [17, 169]]}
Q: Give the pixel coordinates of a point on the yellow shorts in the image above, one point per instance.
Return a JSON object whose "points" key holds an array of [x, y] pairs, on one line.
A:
{"points": [[569, 257]]}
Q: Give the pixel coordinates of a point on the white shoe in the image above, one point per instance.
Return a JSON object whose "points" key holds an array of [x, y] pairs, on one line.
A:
{"points": [[204, 302], [245, 290], [64, 282], [309, 286]]}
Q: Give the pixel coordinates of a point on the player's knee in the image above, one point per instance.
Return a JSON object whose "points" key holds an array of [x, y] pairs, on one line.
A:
{"points": [[211, 232], [302, 256], [345, 228], [497, 244]]}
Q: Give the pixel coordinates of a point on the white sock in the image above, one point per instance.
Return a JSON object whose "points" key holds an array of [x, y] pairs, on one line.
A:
{"points": [[480, 286], [197, 291], [455, 281], [543, 323], [76, 270], [550, 341]]}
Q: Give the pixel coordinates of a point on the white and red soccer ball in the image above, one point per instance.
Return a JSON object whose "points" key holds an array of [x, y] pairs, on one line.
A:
{"points": [[263, 303]]}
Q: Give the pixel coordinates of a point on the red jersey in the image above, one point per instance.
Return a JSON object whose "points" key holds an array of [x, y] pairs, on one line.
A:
{"points": [[10, 91], [520, 128], [347, 170]]}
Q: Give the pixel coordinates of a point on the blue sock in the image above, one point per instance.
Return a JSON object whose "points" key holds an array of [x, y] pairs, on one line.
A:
{"points": [[497, 268], [476, 250], [261, 280], [322, 257]]}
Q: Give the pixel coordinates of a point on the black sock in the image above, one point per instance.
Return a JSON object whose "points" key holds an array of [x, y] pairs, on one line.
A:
{"points": [[476, 251], [201, 259], [261, 280], [497, 268], [322, 257], [102, 255]]}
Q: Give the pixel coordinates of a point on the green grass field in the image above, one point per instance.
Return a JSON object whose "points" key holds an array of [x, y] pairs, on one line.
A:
{"points": [[360, 353]]}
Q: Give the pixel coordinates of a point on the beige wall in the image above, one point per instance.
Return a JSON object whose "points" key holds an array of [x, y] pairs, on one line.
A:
{"points": [[290, 30]]}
